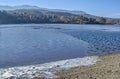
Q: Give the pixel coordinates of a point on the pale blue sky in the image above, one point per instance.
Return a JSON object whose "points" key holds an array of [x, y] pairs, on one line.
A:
{"points": [[110, 8]]}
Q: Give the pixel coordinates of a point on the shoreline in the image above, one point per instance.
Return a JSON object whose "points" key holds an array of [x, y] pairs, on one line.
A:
{"points": [[107, 67], [90, 67], [54, 23], [47, 70]]}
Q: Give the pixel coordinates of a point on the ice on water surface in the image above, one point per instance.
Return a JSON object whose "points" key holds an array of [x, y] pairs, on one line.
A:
{"points": [[26, 45], [46, 70], [35, 44]]}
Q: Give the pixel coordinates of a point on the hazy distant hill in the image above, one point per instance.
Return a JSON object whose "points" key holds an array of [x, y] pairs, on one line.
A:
{"points": [[36, 7], [34, 14], [75, 12], [18, 7]]}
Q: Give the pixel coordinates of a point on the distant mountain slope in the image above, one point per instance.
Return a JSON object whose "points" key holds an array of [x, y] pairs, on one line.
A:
{"points": [[34, 14], [18, 7], [44, 9]]}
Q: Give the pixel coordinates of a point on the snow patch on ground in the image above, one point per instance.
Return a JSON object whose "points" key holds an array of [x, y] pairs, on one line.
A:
{"points": [[46, 70]]}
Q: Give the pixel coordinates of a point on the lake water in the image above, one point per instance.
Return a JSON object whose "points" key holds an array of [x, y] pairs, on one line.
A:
{"points": [[41, 43]]}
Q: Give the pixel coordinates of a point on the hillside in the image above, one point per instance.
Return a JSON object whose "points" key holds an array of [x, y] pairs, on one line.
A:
{"points": [[33, 14]]}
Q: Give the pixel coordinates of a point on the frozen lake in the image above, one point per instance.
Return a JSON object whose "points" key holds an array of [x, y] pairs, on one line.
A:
{"points": [[41, 43]]}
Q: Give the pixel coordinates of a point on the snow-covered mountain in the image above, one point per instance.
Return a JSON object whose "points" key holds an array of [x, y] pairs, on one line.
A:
{"points": [[18, 7], [23, 13], [36, 7]]}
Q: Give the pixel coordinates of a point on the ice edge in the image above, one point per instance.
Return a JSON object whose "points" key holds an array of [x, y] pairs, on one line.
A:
{"points": [[46, 70]]}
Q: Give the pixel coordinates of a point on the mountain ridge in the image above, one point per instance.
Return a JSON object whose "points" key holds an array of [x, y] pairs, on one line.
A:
{"points": [[34, 14], [3, 7]]}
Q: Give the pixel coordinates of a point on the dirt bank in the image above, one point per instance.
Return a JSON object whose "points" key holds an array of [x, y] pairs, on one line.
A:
{"points": [[108, 67]]}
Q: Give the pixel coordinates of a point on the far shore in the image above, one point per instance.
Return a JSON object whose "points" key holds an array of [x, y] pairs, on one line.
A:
{"points": [[108, 67], [54, 23]]}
